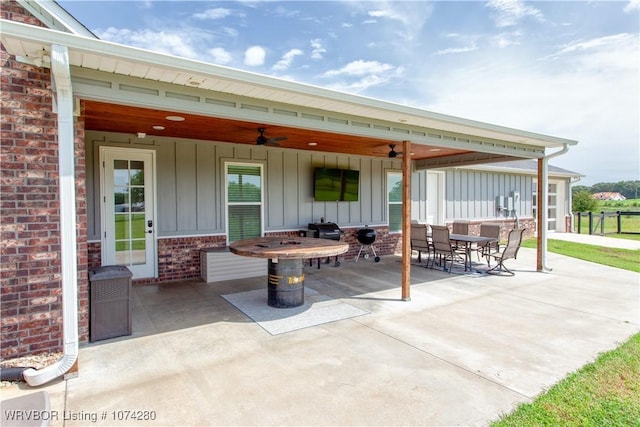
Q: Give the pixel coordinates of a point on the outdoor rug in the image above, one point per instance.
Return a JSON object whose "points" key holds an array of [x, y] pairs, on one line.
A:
{"points": [[316, 310]]}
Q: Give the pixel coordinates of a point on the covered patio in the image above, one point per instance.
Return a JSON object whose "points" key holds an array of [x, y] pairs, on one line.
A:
{"points": [[464, 350], [181, 128]]}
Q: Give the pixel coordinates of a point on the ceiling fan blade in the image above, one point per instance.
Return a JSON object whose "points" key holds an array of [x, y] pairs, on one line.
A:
{"points": [[263, 140], [393, 153]]}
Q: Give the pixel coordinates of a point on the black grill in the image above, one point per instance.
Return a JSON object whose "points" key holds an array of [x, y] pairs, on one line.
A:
{"points": [[326, 230], [366, 237]]}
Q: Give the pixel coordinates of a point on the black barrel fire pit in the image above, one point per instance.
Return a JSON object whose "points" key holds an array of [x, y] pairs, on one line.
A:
{"points": [[366, 237]]}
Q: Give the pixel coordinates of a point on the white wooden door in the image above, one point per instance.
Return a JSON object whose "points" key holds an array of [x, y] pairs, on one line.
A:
{"points": [[128, 214]]}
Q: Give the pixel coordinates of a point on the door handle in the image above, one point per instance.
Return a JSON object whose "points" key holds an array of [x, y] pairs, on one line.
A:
{"points": [[150, 225]]}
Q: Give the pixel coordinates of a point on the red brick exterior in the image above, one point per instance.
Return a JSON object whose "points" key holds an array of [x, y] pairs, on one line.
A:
{"points": [[179, 258], [568, 224], [30, 208], [529, 224]]}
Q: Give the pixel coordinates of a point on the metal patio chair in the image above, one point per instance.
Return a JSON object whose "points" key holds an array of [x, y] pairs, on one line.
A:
{"points": [[443, 247], [420, 241], [509, 252], [488, 230]]}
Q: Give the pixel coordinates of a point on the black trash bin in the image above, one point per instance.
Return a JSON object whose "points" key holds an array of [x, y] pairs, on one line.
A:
{"points": [[109, 302]]}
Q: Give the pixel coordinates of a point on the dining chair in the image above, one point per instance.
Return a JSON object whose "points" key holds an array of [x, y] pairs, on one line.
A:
{"points": [[491, 230], [460, 227], [509, 252], [443, 247], [420, 240]]}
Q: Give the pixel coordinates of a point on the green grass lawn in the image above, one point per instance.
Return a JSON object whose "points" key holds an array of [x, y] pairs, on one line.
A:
{"points": [[620, 258], [603, 393]]}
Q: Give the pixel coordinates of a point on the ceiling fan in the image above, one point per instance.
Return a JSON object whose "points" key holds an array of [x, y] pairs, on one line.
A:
{"points": [[393, 153], [263, 140]]}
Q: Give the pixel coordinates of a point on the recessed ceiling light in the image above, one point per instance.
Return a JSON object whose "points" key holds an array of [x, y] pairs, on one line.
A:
{"points": [[313, 144], [158, 127], [435, 149], [402, 120], [175, 118], [194, 82]]}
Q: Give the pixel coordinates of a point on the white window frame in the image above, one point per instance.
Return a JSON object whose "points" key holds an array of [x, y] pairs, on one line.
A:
{"points": [[389, 203], [227, 164]]}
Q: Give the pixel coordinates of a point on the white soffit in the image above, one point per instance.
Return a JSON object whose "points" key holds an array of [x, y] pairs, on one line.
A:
{"points": [[29, 41]]}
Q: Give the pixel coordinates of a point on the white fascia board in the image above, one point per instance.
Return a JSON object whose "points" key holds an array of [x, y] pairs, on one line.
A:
{"points": [[495, 167]]}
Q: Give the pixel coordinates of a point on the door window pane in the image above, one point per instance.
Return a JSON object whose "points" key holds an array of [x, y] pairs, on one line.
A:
{"points": [[136, 173], [138, 251], [138, 226], [122, 252]]}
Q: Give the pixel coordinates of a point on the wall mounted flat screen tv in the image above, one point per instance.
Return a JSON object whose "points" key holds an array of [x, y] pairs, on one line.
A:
{"points": [[332, 185]]}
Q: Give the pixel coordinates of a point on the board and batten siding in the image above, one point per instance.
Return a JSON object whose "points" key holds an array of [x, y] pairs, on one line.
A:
{"points": [[472, 194], [190, 184]]}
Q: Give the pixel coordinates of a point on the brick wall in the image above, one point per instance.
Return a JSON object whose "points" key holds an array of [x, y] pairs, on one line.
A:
{"points": [[31, 298], [507, 224], [179, 258]]}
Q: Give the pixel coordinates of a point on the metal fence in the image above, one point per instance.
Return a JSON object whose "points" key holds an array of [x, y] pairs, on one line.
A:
{"points": [[618, 222]]}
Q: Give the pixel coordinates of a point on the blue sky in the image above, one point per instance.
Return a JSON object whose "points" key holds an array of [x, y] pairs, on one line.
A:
{"points": [[569, 69]]}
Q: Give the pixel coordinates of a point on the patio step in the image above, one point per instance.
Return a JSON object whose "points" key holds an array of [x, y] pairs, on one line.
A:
{"points": [[218, 264]]}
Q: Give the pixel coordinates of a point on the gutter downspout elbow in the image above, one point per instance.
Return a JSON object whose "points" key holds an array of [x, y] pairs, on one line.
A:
{"points": [[61, 73], [545, 186]]}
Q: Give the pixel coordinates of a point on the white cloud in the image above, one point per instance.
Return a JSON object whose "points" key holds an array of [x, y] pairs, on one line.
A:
{"points": [[358, 76], [254, 56], [216, 13], [616, 51], [173, 43], [359, 68], [317, 49], [287, 59], [510, 12], [588, 91], [506, 39], [220, 55], [632, 6], [469, 44], [453, 50]]}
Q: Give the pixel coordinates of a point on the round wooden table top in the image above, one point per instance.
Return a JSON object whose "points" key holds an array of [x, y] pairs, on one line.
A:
{"points": [[288, 247]]}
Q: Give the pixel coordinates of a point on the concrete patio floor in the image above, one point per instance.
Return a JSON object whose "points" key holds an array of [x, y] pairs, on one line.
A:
{"points": [[464, 350]]}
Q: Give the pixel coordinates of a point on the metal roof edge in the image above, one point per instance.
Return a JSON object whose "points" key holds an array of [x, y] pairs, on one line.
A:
{"points": [[496, 167]]}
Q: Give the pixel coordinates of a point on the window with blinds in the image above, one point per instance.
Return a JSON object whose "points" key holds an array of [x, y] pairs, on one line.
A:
{"points": [[244, 201], [394, 201]]}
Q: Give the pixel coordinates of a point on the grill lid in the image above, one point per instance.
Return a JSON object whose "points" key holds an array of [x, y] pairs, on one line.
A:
{"points": [[324, 227]]}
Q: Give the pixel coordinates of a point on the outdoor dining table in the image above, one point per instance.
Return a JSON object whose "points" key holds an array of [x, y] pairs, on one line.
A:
{"points": [[285, 280], [468, 241]]}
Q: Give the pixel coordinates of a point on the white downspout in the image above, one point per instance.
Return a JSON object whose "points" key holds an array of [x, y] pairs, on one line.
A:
{"points": [[544, 197], [68, 243]]}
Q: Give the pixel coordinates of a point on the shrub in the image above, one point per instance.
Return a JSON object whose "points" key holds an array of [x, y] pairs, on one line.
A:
{"points": [[582, 202]]}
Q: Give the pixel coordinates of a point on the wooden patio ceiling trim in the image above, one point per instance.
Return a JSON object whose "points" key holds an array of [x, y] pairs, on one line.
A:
{"points": [[126, 119]]}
